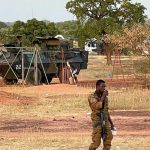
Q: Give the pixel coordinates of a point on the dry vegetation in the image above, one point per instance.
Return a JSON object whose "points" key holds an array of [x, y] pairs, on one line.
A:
{"points": [[96, 68], [47, 105], [50, 106], [22, 127], [69, 142]]}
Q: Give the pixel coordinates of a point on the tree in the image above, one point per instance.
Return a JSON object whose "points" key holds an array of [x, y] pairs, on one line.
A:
{"points": [[32, 29], [3, 25], [132, 13], [68, 28], [18, 28], [119, 11], [52, 29], [132, 38], [106, 15], [3, 31]]}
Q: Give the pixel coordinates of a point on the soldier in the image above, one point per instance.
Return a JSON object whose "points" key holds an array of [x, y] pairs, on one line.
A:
{"points": [[101, 120]]}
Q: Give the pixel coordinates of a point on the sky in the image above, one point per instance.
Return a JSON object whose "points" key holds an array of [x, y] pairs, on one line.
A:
{"points": [[51, 10]]}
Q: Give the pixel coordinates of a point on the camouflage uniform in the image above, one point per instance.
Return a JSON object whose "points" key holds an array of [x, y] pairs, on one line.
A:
{"points": [[96, 104]]}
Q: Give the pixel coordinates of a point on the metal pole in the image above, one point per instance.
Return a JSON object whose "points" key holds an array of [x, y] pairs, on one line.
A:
{"points": [[62, 66], [36, 67], [9, 67], [22, 66], [30, 66], [43, 67]]}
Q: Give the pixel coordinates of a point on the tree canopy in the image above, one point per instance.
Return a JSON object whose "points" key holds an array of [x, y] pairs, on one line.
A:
{"points": [[68, 28], [132, 39], [108, 15], [32, 29], [3, 25]]}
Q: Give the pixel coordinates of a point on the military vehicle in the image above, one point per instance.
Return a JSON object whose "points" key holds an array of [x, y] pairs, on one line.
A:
{"points": [[94, 45], [49, 55]]}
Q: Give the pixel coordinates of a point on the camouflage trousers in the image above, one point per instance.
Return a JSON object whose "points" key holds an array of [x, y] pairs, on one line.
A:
{"points": [[97, 136]]}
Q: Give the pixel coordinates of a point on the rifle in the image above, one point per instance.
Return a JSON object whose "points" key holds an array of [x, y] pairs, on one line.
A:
{"points": [[102, 123]]}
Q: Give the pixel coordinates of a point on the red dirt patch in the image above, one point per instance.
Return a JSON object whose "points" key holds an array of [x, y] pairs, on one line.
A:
{"points": [[56, 89], [132, 122], [2, 83], [137, 124], [13, 99], [128, 123]]}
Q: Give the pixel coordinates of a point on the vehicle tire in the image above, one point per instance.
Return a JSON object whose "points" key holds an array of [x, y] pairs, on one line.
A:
{"points": [[49, 78], [10, 81], [31, 78]]}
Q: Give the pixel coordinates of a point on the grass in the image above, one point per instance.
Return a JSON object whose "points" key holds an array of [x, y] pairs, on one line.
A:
{"points": [[96, 68], [76, 105], [70, 105], [47, 107], [131, 65], [69, 141], [130, 99]]}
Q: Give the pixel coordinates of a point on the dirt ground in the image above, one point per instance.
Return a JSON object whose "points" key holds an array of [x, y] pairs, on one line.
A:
{"points": [[127, 123], [41, 117], [134, 123]]}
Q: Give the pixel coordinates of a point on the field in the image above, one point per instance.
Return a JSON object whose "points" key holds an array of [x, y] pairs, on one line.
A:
{"points": [[56, 116]]}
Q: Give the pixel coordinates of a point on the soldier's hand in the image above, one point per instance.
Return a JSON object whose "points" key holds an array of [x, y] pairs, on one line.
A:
{"points": [[105, 93]]}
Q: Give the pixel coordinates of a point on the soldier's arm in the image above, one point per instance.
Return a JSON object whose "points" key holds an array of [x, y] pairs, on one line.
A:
{"points": [[110, 120], [94, 104]]}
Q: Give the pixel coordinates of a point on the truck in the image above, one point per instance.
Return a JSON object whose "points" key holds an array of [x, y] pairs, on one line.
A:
{"points": [[94, 45], [49, 58]]}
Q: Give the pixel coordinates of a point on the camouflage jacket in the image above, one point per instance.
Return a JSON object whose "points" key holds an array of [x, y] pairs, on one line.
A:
{"points": [[96, 105]]}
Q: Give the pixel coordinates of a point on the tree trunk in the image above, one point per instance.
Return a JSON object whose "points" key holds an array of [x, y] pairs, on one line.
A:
{"points": [[108, 52], [108, 56]]}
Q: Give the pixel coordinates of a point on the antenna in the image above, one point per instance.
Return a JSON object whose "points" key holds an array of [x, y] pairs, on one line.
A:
{"points": [[32, 13]]}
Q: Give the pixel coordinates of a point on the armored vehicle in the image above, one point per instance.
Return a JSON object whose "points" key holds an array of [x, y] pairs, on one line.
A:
{"points": [[48, 58]]}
